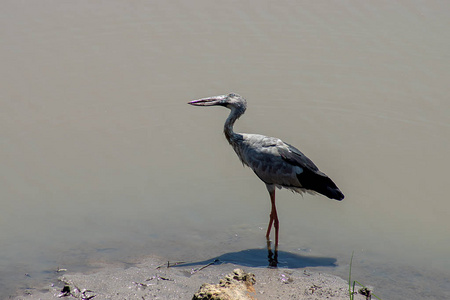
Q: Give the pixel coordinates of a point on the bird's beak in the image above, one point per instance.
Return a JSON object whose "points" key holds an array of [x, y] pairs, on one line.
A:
{"points": [[210, 101]]}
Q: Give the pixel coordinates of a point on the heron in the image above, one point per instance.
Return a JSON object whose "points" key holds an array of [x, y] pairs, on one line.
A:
{"points": [[277, 163]]}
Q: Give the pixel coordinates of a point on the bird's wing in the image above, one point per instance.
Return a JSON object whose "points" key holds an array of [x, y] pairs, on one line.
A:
{"points": [[295, 157], [273, 161], [311, 178], [259, 151]]}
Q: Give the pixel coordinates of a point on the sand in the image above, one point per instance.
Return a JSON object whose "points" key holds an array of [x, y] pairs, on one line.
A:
{"points": [[147, 280]]}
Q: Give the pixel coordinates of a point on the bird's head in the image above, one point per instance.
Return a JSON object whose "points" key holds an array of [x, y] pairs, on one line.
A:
{"points": [[231, 101]]}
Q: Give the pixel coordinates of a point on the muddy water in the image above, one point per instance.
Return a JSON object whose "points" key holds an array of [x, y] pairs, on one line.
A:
{"points": [[103, 160]]}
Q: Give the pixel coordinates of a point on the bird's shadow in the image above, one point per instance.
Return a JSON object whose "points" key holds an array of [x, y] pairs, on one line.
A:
{"points": [[263, 258]]}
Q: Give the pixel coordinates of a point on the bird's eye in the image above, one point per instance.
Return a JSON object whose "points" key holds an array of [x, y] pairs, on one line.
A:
{"points": [[232, 95]]}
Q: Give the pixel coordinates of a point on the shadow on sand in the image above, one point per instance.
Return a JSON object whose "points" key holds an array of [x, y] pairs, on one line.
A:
{"points": [[263, 258]]}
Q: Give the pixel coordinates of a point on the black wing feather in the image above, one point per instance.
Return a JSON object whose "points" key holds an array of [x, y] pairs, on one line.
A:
{"points": [[311, 178]]}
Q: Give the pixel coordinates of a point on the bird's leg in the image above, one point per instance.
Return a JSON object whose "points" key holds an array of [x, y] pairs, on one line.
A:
{"points": [[273, 219], [269, 228], [273, 259]]}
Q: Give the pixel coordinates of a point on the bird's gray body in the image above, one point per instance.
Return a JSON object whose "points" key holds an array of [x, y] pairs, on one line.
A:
{"points": [[281, 165], [263, 155]]}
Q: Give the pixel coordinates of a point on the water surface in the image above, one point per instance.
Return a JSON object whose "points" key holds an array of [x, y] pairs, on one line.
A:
{"points": [[103, 160]]}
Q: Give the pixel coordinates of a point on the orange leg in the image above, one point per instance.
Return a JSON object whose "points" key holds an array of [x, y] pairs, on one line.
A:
{"points": [[273, 219]]}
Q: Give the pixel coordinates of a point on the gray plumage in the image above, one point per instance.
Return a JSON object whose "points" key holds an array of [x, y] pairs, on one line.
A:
{"points": [[275, 162]]}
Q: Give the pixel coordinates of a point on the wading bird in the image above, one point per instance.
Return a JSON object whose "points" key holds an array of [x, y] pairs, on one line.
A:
{"points": [[276, 163]]}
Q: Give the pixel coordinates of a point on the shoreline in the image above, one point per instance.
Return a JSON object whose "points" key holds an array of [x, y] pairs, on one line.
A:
{"points": [[152, 279]]}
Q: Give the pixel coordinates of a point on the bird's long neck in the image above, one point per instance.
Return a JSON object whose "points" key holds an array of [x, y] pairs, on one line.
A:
{"points": [[228, 127]]}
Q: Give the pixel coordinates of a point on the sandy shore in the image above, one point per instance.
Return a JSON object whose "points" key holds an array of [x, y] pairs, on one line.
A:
{"points": [[147, 281]]}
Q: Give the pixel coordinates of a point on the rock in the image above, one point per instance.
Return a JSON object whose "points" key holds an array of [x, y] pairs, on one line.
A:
{"points": [[234, 286]]}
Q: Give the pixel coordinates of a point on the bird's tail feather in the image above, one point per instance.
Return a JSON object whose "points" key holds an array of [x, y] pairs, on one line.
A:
{"points": [[321, 183]]}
